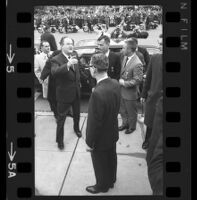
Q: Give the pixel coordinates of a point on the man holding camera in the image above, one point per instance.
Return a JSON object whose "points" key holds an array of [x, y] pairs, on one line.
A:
{"points": [[64, 68]]}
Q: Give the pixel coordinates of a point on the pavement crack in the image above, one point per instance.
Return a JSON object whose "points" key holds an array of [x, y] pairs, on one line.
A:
{"points": [[62, 185]]}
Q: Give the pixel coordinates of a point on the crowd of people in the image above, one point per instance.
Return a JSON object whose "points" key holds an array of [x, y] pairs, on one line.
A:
{"points": [[111, 16], [117, 87]]}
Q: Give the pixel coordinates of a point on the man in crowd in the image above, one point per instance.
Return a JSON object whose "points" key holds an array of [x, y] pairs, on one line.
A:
{"points": [[39, 63], [145, 55], [130, 78], [64, 68], [152, 91], [49, 37], [103, 43], [102, 125]]}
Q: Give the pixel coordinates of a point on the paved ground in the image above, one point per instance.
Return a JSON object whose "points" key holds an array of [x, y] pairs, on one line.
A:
{"points": [[70, 171]]}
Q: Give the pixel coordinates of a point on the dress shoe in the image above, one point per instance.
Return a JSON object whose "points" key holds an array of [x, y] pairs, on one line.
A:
{"points": [[145, 145], [129, 131], [61, 146], [94, 189], [123, 127], [78, 133]]}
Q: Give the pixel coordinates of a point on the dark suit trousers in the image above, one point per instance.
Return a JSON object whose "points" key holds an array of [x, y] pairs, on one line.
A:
{"points": [[128, 111], [62, 111], [105, 166]]}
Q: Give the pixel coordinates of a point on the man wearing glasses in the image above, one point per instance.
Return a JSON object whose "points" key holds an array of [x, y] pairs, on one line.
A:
{"points": [[102, 125]]}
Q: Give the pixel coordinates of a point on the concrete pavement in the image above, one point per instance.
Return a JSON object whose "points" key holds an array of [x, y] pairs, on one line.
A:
{"points": [[70, 171]]}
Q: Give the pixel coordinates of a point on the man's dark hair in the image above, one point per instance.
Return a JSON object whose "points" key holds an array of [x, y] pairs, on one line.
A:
{"points": [[134, 39], [62, 40], [100, 61], [106, 38]]}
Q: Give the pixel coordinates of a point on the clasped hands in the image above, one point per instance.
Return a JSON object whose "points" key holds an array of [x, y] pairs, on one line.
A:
{"points": [[121, 81], [72, 61]]}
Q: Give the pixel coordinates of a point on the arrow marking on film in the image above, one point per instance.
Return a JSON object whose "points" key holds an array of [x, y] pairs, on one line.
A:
{"points": [[11, 154], [10, 56]]}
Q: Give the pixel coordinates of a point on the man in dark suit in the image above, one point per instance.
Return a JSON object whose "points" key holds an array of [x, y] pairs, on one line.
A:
{"points": [[49, 37], [151, 92], [103, 43], [154, 156], [146, 56], [131, 76], [102, 125], [64, 68]]}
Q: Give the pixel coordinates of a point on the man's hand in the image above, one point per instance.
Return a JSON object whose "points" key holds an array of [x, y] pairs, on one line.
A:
{"points": [[72, 61], [89, 149], [121, 81], [142, 100], [41, 81]]}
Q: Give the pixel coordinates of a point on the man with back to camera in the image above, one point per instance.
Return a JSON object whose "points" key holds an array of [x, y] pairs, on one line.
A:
{"points": [[64, 68], [130, 78], [102, 125], [152, 91], [103, 43], [49, 37]]}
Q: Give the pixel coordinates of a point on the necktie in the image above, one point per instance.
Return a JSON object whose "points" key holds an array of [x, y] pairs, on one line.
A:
{"points": [[125, 62], [72, 67]]}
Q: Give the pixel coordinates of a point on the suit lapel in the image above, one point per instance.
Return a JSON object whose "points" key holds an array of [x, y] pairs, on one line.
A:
{"points": [[128, 63], [63, 59]]}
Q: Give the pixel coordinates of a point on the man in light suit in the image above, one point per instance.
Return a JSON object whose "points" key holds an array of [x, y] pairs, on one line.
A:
{"points": [[65, 70], [39, 63], [130, 78], [102, 125]]}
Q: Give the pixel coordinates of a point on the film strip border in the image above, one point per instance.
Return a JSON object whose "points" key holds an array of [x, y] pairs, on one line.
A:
{"points": [[20, 114]]}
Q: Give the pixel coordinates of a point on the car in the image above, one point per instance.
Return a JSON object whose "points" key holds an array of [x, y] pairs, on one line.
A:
{"points": [[86, 48]]}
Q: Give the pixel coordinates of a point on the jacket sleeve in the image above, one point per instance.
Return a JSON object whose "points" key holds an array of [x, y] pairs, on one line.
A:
{"points": [[95, 120], [37, 69], [46, 70], [148, 79], [137, 77], [57, 69], [118, 67], [146, 59]]}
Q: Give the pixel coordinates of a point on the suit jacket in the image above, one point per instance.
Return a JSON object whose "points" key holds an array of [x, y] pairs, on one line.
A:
{"points": [[67, 82], [155, 151], [49, 37], [146, 57], [103, 108], [46, 72], [152, 89], [114, 66], [132, 74]]}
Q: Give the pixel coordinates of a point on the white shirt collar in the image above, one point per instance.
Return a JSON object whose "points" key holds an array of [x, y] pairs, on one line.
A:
{"points": [[107, 54], [129, 58], [105, 77], [65, 55]]}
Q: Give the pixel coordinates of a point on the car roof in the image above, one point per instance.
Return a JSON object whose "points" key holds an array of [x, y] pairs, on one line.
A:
{"points": [[88, 46]]}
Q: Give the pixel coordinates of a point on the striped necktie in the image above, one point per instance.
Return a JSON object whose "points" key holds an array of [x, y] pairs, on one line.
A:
{"points": [[125, 62]]}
